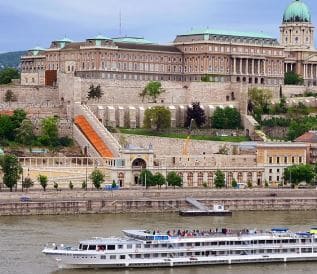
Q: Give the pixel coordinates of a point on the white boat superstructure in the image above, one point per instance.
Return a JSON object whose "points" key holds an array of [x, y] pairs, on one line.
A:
{"points": [[142, 248]]}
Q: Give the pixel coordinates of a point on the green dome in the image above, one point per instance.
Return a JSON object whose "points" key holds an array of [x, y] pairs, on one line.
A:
{"points": [[297, 12]]}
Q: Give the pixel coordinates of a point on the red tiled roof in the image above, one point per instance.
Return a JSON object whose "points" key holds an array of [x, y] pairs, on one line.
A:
{"points": [[308, 137]]}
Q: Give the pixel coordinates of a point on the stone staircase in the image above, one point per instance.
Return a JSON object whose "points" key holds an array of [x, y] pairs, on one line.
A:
{"points": [[91, 135]]}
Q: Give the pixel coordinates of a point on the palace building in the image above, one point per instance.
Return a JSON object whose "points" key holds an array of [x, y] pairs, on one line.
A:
{"points": [[223, 56]]}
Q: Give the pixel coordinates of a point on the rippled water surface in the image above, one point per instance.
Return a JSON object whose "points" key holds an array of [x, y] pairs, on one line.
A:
{"points": [[22, 238]]}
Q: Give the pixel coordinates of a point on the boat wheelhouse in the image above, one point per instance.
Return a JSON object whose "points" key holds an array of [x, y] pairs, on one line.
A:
{"points": [[143, 248]]}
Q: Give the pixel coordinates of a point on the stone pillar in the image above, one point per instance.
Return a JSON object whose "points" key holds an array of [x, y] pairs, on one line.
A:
{"points": [[173, 116], [111, 116], [264, 67], [259, 67], [305, 72], [234, 65], [141, 117], [291, 67], [211, 110], [132, 117], [252, 66], [120, 116], [247, 66], [101, 114], [240, 60]]}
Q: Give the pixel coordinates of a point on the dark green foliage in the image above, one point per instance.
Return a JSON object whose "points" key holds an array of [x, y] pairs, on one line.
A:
{"points": [[24, 133], [280, 108], [94, 92], [43, 181], [299, 127], [6, 128], [11, 169], [10, 96], [159, 180], [197, 113], [97, 178], [205, 78], [55, 185], [292, 78], [276, 122], [153, 90], [27, 183], [234, 183], [219, 179], [66, 141], [146, 178], [228, 118], [7, 74], [158, 117], [259, 102], [71, 185], [299, 173], [84, 185], [174, 180]]}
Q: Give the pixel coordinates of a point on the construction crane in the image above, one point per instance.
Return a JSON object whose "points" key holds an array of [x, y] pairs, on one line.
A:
{"points": [[186, 145]]}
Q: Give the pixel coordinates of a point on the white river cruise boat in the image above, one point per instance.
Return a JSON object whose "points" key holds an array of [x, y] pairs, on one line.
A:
{"points": [[142, 248]]}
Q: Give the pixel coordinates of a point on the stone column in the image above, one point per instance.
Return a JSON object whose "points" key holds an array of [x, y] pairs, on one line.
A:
{"points": [[111, 117], [259, 67], [304, 71], [141, 117], [173, 116], [264, 67], [234, 65], [120, 116], [132, 117], [291, 67], [240, 60], [247, 66], [252, 66]]}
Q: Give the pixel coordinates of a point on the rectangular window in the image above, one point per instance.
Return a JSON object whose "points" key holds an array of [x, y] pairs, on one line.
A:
{"points": [[129, 246], [111, 247], [277, 160], [285, 160], [300, 159], [293, 160], [122, 257], [112, 257], [270, 171], [270, 160]]}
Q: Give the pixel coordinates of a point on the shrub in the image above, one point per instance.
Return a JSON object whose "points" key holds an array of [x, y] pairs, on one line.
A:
{"points": [[71, 185]]}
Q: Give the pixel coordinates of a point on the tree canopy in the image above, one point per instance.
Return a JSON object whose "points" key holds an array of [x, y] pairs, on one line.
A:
{"points": [[25, 133], [158, 117], [159, 179], [173, 179], [95, 92], [146, 178], [292, 78], [197, 113], [11, 169], [153, 89], [8, 74], [49, 132], [220, 179], [227, 118], [299, 173], [97, 177], [43, 181], [259, 102]]}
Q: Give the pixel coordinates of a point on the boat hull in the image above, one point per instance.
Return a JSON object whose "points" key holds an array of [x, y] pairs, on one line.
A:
{"points": [[186, 213]]}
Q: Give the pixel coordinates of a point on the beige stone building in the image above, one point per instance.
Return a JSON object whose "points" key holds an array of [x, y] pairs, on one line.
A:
{"points": [[275, 157], [222, 56]]}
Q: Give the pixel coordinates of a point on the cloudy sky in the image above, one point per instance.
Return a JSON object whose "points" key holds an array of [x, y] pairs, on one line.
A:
{"points": [[28, 23]]}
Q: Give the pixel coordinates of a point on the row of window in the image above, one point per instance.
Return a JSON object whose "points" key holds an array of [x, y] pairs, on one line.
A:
{"points": [[285, 160]]}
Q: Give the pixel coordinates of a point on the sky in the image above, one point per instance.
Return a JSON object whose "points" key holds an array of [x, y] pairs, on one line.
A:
{"points": [[29, 23]]}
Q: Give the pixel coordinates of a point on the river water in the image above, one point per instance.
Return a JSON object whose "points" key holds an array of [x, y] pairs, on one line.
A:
{"points": [[22, 238]]}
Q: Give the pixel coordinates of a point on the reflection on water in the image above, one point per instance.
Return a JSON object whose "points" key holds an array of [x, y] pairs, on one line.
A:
{"points": [[22, 239]]}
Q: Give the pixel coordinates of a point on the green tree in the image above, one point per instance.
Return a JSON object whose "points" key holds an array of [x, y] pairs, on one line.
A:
{"points": [[24, 134], [9, 96], [6, 128], [8, 74], [259, 102], [173, 179], [97, 177], [71, 185], [206, 78], [43, 181], [146, 178], [228, 118], [11, 169], [153, 89], [220, 179], [50, 130], [298, 128], [84, 185], [159, 179], [299, 173], [292, 78], [27, 183], [234, 183], [197, 113], [95, 92], [158, 117]]}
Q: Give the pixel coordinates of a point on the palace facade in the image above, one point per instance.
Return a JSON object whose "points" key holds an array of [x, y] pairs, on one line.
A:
{"points": [[223, 56]]}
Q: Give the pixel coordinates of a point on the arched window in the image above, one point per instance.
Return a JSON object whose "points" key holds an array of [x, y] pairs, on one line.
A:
{"points": [[200, 178], [240, 177], [210, 179], [190, 177], [121, 179]]}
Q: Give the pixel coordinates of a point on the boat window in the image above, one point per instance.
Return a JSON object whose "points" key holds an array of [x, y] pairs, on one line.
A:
{"points": [[261, 242], [269, 241], [112, 257], [85, 247], [103, 257], [101, 247], [155, 255], [138, 256], [146, 255], [238, 243], [111, 247], [214, 243], [122, 257], [147, 246], [92, 247], [284, 241], [138, 246], [197, 244], [189, 244], [120, 246], [164, 245], [292, 241], [80, 246], [129, 246]]}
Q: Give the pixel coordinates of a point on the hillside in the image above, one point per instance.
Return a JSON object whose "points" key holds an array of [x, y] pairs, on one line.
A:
{"points": [[10, 59]]}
